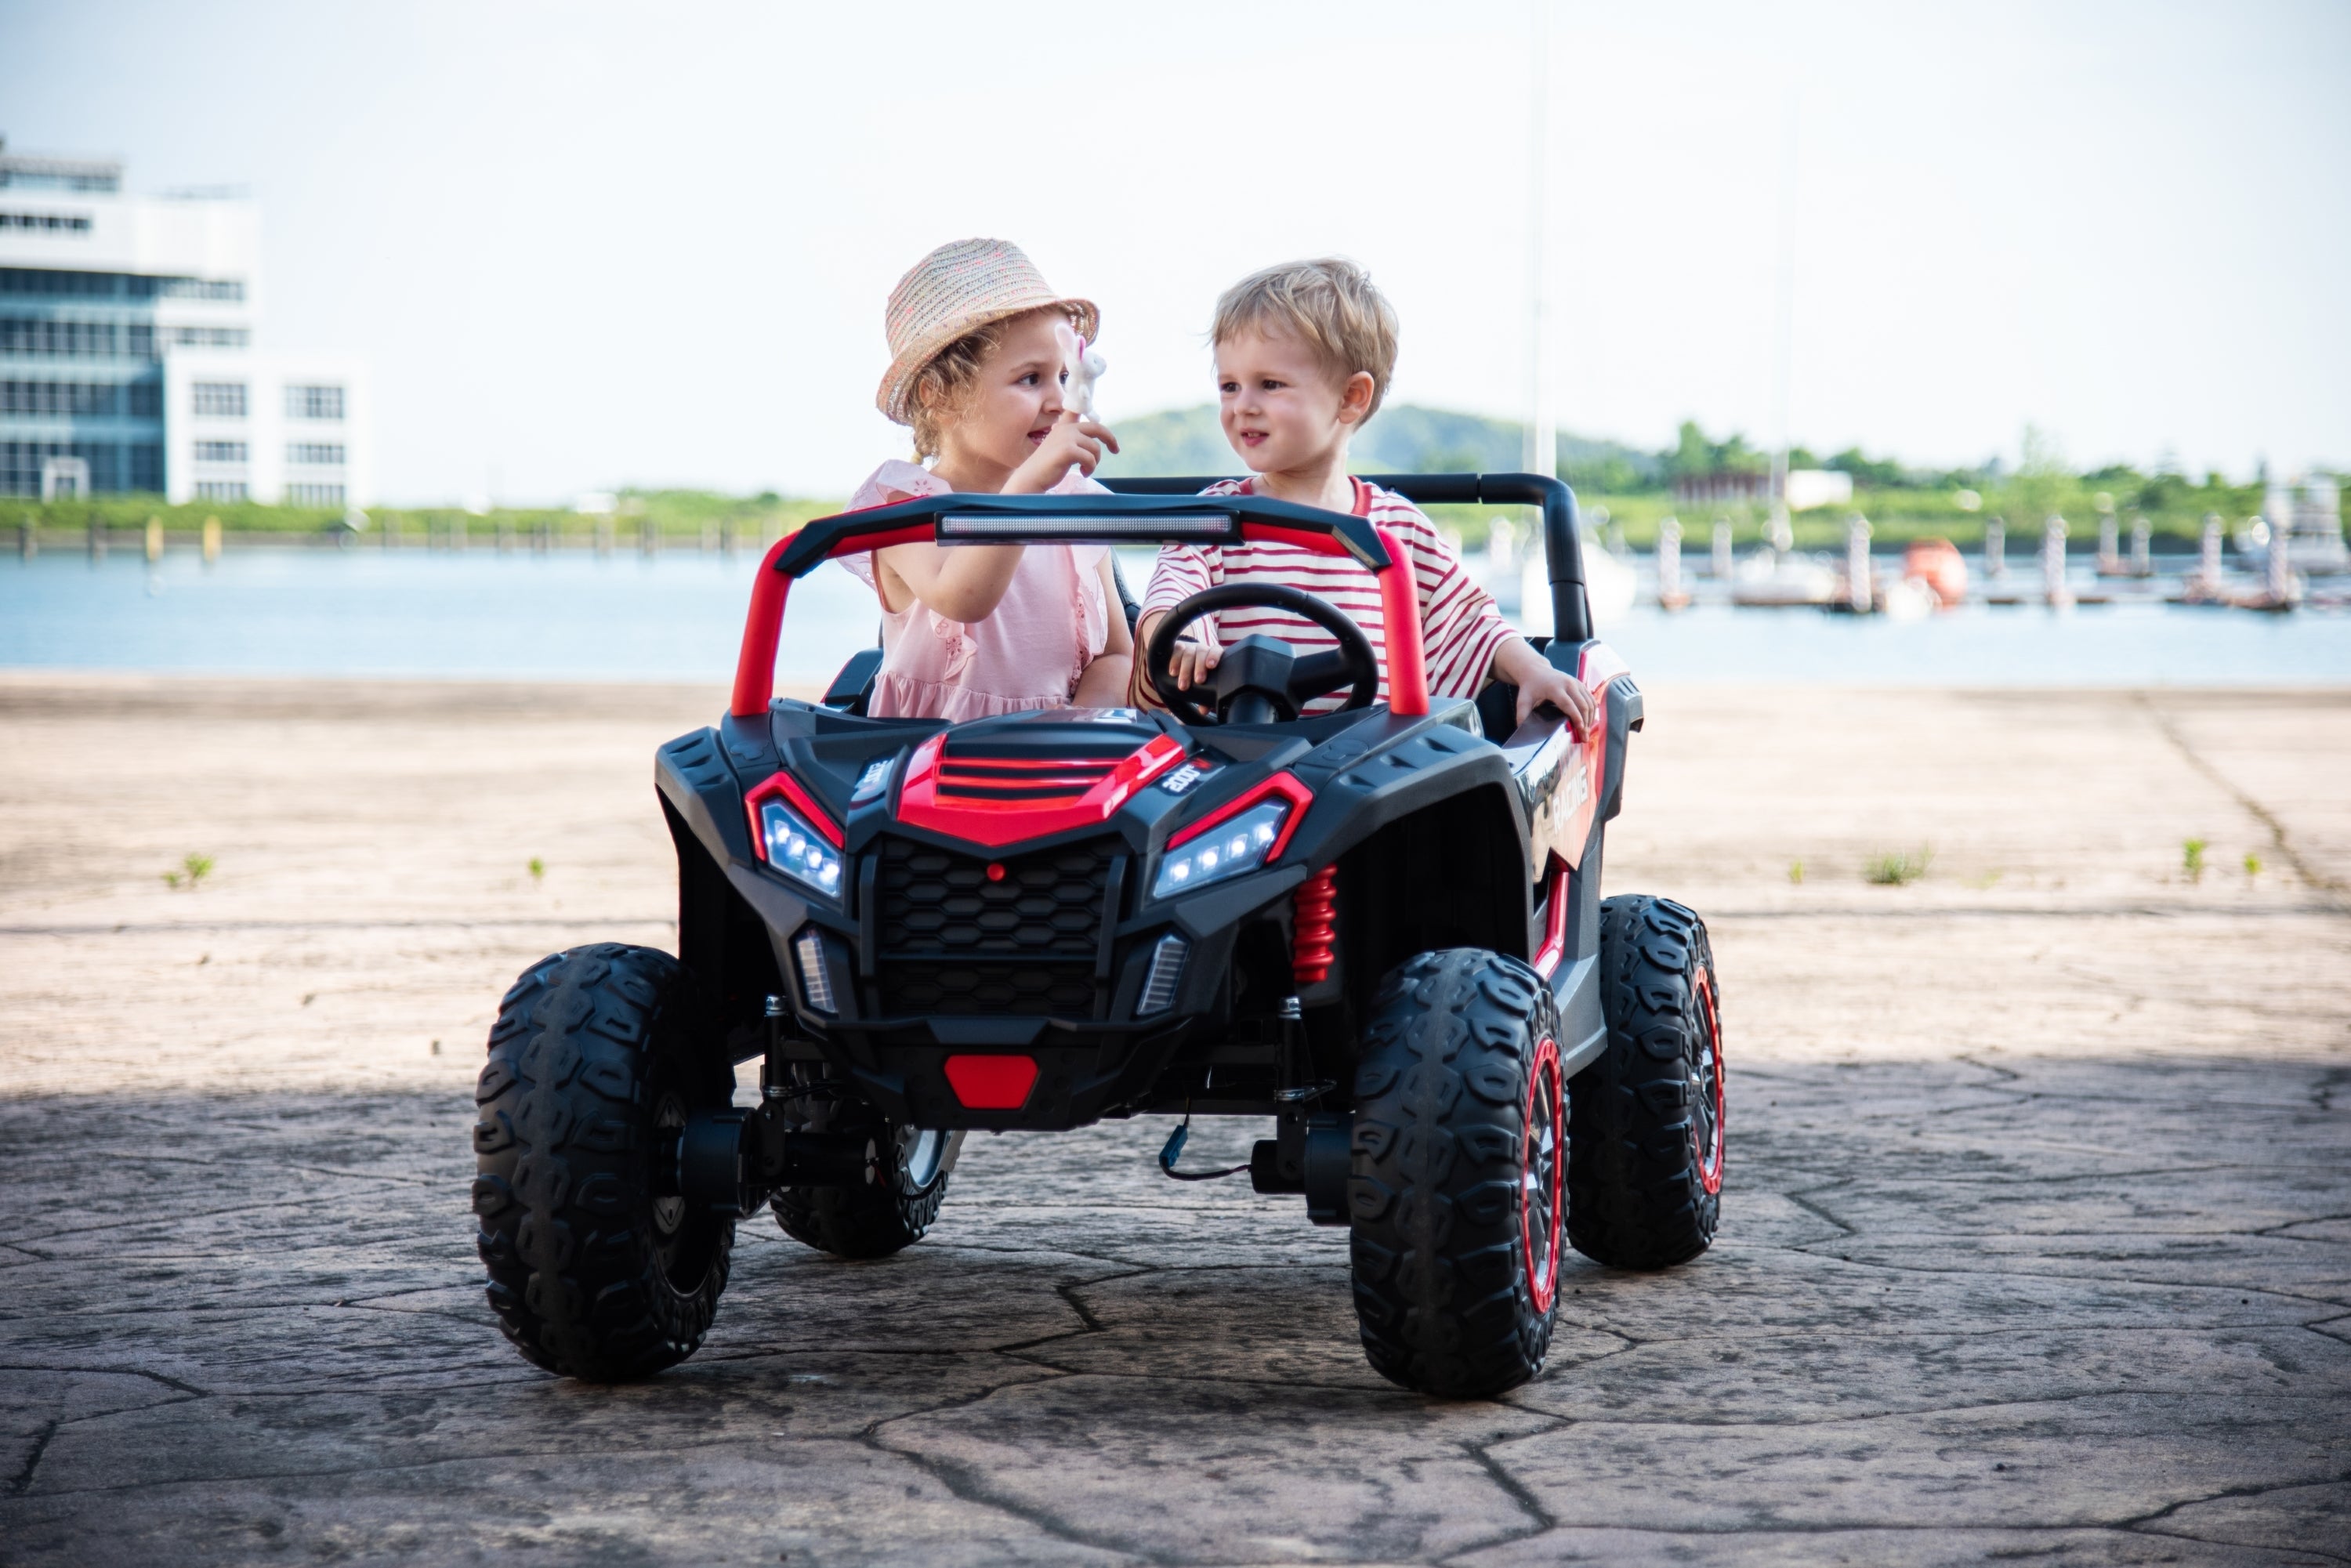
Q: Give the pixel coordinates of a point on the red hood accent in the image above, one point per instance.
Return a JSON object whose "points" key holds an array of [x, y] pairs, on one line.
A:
{"points": [[999, 822]]}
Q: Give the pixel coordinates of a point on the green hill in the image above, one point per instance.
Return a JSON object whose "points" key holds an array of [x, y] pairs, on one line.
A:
{"points": [[1401, 439]]}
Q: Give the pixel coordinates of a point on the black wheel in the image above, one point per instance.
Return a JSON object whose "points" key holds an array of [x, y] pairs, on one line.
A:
{"points": [[1454, 1195], [1644, 1138], [598, 1270], [877, 1220]]}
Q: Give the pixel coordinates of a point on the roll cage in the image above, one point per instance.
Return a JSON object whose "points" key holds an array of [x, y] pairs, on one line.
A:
{"points": [[1164, 510]]}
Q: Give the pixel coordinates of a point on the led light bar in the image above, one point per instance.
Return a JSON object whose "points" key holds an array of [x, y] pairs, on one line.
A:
{"points": [[1227, 850], [816, 984], [795, 849], [1166, 969], [1203, 527]]}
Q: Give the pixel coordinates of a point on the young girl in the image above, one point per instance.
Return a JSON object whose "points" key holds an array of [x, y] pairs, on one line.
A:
{"points": [[976, 369]]}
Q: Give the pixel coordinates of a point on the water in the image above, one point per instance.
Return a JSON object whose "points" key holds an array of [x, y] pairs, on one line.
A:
{"points": [[679, 617]]}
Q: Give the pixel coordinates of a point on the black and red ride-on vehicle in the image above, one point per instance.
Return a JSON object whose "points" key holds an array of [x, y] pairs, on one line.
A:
{"points": [[1378, 928]]}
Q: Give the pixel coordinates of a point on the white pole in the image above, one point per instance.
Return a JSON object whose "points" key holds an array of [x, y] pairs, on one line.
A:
{"points": [[1541, 451]]}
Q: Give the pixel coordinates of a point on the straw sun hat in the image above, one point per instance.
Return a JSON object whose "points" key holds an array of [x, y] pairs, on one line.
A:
{"points": [[958, 288]]}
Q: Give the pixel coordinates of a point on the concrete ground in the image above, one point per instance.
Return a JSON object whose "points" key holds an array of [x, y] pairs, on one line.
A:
{"points": [[2037, 1240]]}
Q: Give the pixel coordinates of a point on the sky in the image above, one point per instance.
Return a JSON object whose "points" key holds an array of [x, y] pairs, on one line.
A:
{"points": [[584, 244]]}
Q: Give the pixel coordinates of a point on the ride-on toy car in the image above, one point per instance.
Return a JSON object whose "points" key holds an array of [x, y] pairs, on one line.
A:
{"points": [[1377, 927]]}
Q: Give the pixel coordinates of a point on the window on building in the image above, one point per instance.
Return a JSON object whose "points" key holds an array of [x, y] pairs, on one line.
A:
{"points": [[220, 490], [314, 402], [227, 288], [137, 398], [45, 223], [204, 337], [56, 280], [220, 451], [21, 463], [328, 453], [217, 400], [314, 494], [146, 467], [37, 334]]}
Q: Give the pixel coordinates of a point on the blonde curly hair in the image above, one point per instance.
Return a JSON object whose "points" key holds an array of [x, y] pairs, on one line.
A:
{"points": [[942, 390]]}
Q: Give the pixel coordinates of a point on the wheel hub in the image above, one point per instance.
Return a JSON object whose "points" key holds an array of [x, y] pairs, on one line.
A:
{"points": [[1540, 1181]]}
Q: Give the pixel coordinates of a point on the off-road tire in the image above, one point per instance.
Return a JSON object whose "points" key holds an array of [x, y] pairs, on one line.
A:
{"points": [[1645, 1121], [876, 1220], [1452, 1295], [593, 1272]]}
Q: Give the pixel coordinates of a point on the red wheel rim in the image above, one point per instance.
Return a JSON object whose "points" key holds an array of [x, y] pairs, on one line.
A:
{"points": [[1707, 1104], [1541, 1171]]}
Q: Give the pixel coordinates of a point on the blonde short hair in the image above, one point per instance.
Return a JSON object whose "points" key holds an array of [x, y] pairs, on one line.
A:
{"points": [[1331, 304]]}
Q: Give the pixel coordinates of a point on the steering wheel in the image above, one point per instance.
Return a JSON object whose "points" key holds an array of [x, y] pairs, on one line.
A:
{"points": [[1262, 679]]}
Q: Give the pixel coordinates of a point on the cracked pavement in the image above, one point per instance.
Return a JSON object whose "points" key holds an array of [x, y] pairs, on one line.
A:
{"points": [[2036, 1240]]}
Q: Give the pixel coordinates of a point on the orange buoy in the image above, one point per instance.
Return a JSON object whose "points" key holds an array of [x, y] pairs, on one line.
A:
{"points": [[1937, 564]]}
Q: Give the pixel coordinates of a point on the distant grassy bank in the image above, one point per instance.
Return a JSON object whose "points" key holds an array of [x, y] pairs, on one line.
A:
{"points": [[1635, 488], [673, 517]]}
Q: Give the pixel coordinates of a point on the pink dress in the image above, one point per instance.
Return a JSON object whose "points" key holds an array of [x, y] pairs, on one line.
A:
{"points": [[1049, 625]]}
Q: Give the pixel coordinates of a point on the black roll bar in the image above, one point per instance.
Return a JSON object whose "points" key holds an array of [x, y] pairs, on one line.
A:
{"points": [[1571, 610]]}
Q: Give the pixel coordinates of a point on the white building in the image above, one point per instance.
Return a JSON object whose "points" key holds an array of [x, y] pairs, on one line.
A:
{"points": [[278, 428], [128, 328]]}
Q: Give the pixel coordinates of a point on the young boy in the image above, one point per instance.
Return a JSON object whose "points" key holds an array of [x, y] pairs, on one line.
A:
{"points": [[1303, 353]]}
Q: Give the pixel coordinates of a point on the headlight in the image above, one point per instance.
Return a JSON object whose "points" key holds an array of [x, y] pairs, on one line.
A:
{"points": [[1228, 849], [796, 850]]}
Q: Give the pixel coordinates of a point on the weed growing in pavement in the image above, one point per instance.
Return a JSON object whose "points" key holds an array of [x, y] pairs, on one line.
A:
{"points": [[192, 870], [2253, 865], [1895, 868], [1986, 879], [2192, 857], [1796, 870], [538, 869]]}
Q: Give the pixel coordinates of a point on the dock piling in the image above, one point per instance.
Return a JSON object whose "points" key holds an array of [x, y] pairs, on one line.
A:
{"points": [[212, 540], [2052, 564], [1857, 595], [1670, 595], [2142, 556], [96, 541], [1995, 547], [1722, 562], [28, 540], [154, 540], [2280, 587]]}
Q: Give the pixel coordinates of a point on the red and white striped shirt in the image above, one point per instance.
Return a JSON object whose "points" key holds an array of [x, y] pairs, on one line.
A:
{"points": [[1460, 628]]}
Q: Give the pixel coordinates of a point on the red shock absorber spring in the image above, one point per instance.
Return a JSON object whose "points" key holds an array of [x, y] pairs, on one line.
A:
{"points": [[1314, 926]]}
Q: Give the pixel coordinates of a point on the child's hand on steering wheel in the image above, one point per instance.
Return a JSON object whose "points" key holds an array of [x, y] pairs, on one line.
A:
{"points": [[1191, 664]]}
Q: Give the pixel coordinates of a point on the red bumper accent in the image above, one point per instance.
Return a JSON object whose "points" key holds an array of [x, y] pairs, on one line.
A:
{"points": [[992, 1082], [1314, 927]]}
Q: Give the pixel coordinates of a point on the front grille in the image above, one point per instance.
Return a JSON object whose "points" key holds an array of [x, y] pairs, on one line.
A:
{"points": [[954, 939]]}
